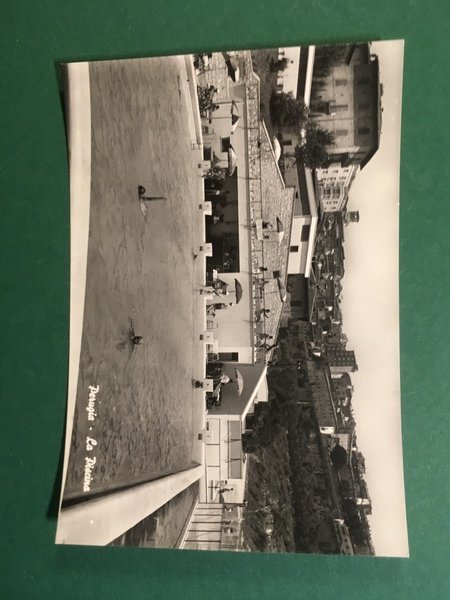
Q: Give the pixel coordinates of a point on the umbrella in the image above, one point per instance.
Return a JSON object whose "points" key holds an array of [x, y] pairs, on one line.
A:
{"points": [[280, 230], [238, 288], [232, 67], [232, 160], [276, 148], [235, 116], [282, 290], [239, 380]]}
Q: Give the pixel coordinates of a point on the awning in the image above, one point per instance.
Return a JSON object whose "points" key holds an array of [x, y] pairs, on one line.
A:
{"points": [[235, 116], [280, 230], [232, 160], [232, 67], [276, 148], [238, 289], [239, 381], [282, 290]]}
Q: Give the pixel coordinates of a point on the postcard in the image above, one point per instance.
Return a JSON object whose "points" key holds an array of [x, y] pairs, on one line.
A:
{"points": [[234, 373]]}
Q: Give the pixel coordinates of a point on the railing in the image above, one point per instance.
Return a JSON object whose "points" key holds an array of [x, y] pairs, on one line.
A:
{"points": [[255, 213]]}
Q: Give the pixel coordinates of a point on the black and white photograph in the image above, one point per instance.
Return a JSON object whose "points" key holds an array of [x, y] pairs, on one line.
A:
{"points": [[234, 366]]}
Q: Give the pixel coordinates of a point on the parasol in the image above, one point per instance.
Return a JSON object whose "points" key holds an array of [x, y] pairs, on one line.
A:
{"points": [[235, 116], [276, 148], [282, 290], [280, 230], [232, 67], [238, 289], [239, 380], [232, 160]]}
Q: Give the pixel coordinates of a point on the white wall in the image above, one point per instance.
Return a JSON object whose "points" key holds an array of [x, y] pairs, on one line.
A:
{"points": [[289, 77], [217, 462], [297, 260]]}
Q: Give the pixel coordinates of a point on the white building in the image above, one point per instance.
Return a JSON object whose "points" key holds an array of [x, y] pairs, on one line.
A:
{"points": [[226, 145], [225, 462], [343, 537], [333, 186], [249, 255]]}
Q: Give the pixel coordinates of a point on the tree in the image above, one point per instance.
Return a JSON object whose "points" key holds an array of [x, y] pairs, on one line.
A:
{"points": [[286, 111], [339, 457], [313, 153], [331, 55], [278, 65]]}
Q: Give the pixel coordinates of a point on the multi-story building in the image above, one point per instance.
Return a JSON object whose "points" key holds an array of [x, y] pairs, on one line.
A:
{"points": [[344, 389], [339, 360], [333, 185], [324, 398], [351, 216], [343, 537], [330, 417], [347, 102]]}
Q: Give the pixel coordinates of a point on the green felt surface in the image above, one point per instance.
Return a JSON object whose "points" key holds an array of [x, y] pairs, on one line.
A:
{"points": [[34, 294]]}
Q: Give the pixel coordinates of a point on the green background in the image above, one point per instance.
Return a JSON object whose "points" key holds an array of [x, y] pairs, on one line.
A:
{"points": [[35, 290]]}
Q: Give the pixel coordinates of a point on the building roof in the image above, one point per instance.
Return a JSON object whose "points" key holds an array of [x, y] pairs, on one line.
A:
{"points": [[377, 91], [305, 73], [253, 376], [277, 201], [262, 394]]}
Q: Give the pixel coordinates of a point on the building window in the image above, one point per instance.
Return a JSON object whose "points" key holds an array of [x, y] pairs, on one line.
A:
{"points": [[225, 144], [293, 249], [340, 82], [287, 142], [338, 108], [341, 132], [363, 130], [305, 233], [207, 153], [229, 356]]}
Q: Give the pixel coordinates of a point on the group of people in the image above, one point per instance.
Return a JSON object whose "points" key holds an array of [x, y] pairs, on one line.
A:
{"points": [[262, 313], [220, 288], [201, 61], [212, 308], [215, 371], [215, 191]]}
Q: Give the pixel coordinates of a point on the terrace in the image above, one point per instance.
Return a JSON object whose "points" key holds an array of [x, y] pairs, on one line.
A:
{"points": [[273, 200], [270, 201]]}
